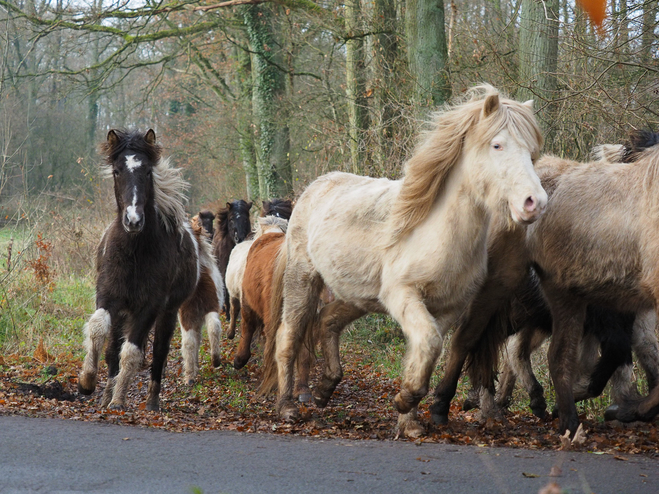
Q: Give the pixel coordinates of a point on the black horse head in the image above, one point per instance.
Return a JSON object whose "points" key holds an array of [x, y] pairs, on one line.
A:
{"points": [[132, 156]]}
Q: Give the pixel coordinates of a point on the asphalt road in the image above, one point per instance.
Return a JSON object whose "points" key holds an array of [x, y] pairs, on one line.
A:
{"points": [[49, 455]]}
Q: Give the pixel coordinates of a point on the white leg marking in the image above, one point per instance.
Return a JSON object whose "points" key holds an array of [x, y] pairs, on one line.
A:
{"points": [[214, 328], [190, 342], [96, 331], [130, 361]]}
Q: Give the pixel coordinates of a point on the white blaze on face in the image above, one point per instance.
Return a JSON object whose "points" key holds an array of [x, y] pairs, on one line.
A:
{"points": [[131, 211], [132, 163]]}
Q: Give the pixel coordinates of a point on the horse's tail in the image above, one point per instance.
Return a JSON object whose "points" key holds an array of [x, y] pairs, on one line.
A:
{"points": [[483, 359], [269, 373]]}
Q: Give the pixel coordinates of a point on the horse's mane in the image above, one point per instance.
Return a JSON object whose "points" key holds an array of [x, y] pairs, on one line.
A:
{"points": [[611, 153], [277, 207], [168, 184], [169, 189], [638, 142], [223, 221], [267, 223], [441, 147]]}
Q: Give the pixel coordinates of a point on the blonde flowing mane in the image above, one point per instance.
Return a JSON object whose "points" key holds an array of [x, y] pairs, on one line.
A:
{"points": [[441, 147], [169, 191]]}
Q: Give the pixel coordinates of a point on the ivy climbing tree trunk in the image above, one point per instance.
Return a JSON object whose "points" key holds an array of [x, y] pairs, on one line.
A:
{"points": [[538, 57], [355, 85], [246, 132], [268, 105], [427, 53], [385, 50]]}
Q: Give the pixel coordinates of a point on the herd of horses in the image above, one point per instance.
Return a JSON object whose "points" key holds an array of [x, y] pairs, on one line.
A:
{"points": [[481, 236]]}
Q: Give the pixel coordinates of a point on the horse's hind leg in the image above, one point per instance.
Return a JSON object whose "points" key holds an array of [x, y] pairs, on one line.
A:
{"points": [[333, 318], [214, 329], [646, 347], [250, 325], [302, 286], [191, 322], [234, 303], [96, 331], [165, 326]]}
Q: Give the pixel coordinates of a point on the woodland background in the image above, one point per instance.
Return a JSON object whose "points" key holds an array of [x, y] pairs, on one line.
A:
{"points": [[255, 99]]}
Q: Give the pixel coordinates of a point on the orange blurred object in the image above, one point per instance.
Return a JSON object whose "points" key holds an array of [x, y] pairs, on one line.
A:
{"points": [[596, 10]]}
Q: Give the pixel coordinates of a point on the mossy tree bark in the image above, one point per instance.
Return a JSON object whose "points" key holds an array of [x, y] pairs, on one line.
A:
{"points": [[426, 50]]}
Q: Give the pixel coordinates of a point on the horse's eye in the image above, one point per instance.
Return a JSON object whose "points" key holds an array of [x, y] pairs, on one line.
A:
{"points": [[498, 147], [115, 172], [148, 173]]}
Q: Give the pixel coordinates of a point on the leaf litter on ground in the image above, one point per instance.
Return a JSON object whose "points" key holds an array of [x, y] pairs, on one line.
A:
{"points": [[225, 399]]}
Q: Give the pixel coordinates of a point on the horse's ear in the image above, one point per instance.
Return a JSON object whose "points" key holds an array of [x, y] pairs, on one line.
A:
{"points": [[529, 104], [491, 105], [249, 205], [228, 205], [150, 137], [113, 139]]}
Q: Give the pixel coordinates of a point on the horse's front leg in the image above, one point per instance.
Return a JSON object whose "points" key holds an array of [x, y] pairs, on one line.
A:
{"points": [[424, 337], [333, 318], [96, 331], [234, 304], [568, 317], [131, 357], [165, 326]]}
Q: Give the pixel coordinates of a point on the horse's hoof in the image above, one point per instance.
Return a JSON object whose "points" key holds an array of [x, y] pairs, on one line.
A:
{"points": [[217, 361], [611, 413], [412, 430], [305, 398], [153, 407], [469, 405], [439, 418], [117, 407], [239, 363], [289, 413], [320, 400], [86, 384], [541, 413], [231, 335], [190, 382]]}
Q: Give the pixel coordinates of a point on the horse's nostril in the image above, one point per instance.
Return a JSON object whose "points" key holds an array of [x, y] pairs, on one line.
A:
{"points": [[529, 204]]}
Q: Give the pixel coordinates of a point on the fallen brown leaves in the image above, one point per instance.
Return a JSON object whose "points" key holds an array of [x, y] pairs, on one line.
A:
{"points": [[225, 399]]}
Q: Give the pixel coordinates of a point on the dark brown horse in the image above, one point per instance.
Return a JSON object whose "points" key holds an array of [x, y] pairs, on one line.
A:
{"points": [[233, 226], [598, 243], [148, 264]]}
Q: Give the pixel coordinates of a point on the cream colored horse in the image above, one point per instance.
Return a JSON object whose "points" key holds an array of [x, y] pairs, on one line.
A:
{"points": [[414, 248]]}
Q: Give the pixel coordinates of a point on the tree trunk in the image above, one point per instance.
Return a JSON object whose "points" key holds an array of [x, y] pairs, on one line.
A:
{"points": [[538, 56], [269, 90], [244, 112], [385, 50], [649, 23], [426, 50], [355, 85]]}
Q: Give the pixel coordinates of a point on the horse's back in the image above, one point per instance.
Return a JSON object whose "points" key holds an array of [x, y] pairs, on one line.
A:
{"points": [[257, 280], [591, 235], [236, 268], [338, 224]]}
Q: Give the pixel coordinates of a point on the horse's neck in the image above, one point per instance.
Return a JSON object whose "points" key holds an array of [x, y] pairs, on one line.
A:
{"points": [[456, 226]]}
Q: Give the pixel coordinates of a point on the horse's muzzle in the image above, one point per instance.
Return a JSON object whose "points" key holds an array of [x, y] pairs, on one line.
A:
{"points": [[133, 225]]}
